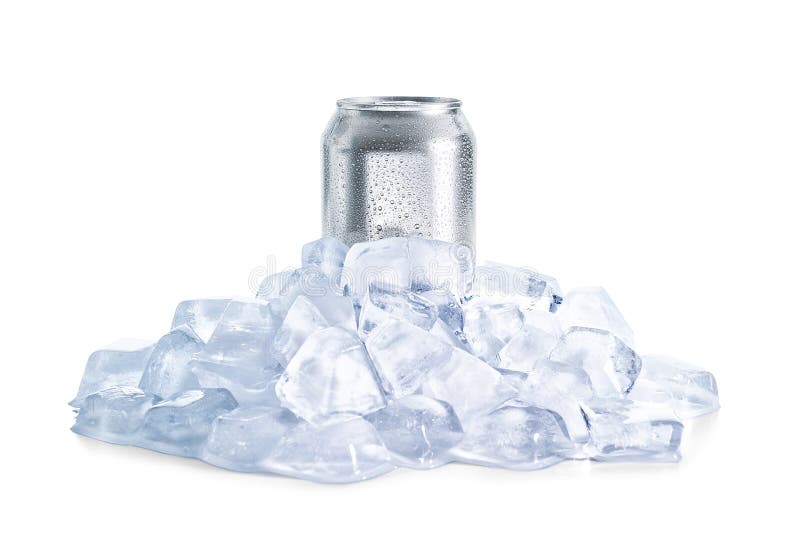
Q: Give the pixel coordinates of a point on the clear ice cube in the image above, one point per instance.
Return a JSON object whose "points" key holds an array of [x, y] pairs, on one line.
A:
{"points": [[488, 327], [243, 439], [327, 254], [330, 375], [527, 288], [113, 414], [339, 451], [200, 315], [378, 305], [404, 355], [611, 365], [418, 430], [408, 264], [180, 425], [468, 384], [592, 307], [626, 430], [287, 285], [121, 364], [560, 388], [249, 386], [689, 391], [302, 320], [167, 371], [523, 438], [526, 348]]}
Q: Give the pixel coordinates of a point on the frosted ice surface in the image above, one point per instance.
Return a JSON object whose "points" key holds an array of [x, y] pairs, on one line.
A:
{"points": [[330, 375], [408, 263], [468, 384], [327, 254], [404, 355], [525, 287], [488, 327], [120, 364], [249, 386], [379, 304], [339, 451], [180, 425], [526, 348], [418, 430], [113, 414], [560, 388], [200, 315], [622, 429], [244, 335], [244, 438], [167, 371], [611, 365], [592, 307], [287, 285], [688, 390], [523, 438]]}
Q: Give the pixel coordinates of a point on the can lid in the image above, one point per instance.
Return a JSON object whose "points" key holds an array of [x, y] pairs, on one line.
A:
{"points": [[398, 103]]}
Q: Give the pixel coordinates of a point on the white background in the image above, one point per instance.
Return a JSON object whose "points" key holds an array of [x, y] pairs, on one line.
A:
{"points": [[154, 151]]}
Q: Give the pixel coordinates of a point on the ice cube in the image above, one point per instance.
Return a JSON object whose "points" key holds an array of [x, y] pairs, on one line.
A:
{"points": [[249, 386], [202, 316], [593, 308], [121, 364], [327, 254], [611, 365], [408, 263], [244, 438], [167, 371], [689, 391], [526, 348], [418, 430], [378, 305], [302, 320], [331, 374], [527, 288], [287, 285], [337, 310], [404, 355], [244, 336], [113, 414], [523, 438], [488, 327], [180, 425], [447, 307], [626, 430], [468, 384], [560, 388], [339, 451]]}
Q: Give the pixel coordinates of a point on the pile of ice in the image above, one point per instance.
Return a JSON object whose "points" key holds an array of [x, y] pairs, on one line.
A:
{"points": [[394, 353]]}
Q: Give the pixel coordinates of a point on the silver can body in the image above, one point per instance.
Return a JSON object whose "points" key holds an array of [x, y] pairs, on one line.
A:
{"points": [[398, 166]]}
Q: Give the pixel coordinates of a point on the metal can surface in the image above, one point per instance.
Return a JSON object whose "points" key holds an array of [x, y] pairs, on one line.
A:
{"points": [[398, 166]]}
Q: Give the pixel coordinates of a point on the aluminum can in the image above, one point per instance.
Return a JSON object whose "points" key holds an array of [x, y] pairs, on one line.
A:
{"points": [[398, 166]]}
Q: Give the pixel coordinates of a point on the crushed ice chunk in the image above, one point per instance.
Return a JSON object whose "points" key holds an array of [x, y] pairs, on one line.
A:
{"points": [[113, 414], [689, 391], [526, 348], [523, 438], [468, 384], [379, 304], [592, 307], [418, 430], [408, 264], [200, 315], [560, 388], [244, 438], [404, 355], [327, 254], [622, 429], [339, 451], [167, 371], [488, 327], [330, 375], [527, 288], [180, 425], [611, 365], [249, 386], [285, 286], [121, 364], [302, 320]]}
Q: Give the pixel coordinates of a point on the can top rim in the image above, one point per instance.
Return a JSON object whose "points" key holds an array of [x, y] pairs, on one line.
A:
{"points": [[398, 103]]}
